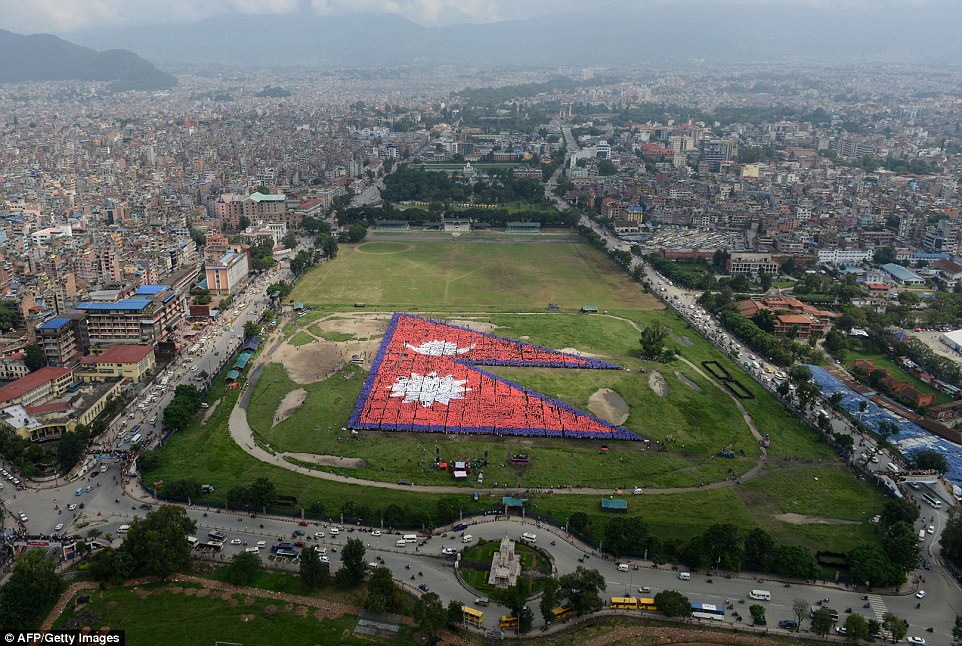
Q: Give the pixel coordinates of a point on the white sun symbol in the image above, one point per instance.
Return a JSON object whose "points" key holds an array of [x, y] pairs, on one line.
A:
{"points": [[439, 348], [427, 389]]}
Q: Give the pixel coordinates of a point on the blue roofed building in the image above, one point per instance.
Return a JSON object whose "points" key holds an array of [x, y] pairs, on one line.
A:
{"points": [[63, 339], [227, 274], [148, 317], [902, 275]]}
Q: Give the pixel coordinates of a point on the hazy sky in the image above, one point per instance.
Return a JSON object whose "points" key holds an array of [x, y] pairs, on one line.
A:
{"points": [[64, 16]]}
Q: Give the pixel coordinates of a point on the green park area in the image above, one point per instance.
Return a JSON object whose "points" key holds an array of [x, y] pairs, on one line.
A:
{"points": [[802, 493], [183, 614], [882, 362]]}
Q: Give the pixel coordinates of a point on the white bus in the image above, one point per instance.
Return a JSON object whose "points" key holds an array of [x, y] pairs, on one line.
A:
{"points": [[410, 538], [892, 467], [932, 500], [760, 595]]}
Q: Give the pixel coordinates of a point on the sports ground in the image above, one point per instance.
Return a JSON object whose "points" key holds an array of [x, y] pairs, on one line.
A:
{"points": [[307, 387]]}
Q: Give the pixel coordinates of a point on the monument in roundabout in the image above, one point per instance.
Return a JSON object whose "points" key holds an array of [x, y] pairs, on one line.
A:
{"points": [[505, 565]]}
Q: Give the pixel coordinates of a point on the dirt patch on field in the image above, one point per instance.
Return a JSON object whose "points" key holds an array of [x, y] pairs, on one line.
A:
{"points": [[477, 326], [579, 353], [291, 402], [310, 363], [328, 460], [210, 411], [688, 382], [226, 596], [658, 384], [190, 592], [112, 604], [682, 340], [301, 611], [359, 327], [801, 519], [609, 406], [203, 592]]}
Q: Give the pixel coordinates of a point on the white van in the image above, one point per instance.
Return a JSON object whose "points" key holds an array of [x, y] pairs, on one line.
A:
{"points": [[400, 542], [892, 467], [410, 538], [684, 576], [123, 529], [760, 595], [261, 544], [467, 538], [251, 550], [529, 538], [622, 567]]}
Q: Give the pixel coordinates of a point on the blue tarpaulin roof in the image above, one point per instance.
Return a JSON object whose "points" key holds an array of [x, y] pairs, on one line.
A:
{"points": [[911, 437]]}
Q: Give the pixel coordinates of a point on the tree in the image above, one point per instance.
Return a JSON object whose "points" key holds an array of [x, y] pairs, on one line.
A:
{"points": [[429, 613], [822, 622], [902, 546], [353, 567], [579, 522], [951, 539], [898, 510], [582, 589], [835, 401], [653, 339], [33, 587], [243, 222], [929, 459], [800, 610], [764, 319], [870, 564], [289, 240], [758, 550], [382, 594], [550, 596], [856, 627], [758, 614], [34, 357], [795, 561], [874, 627], [243, 568], [673, 604], [70, 448], [262, 494], [957, 631], [158, 542], [313, 571], [627, 536], [836, 344], [723, 545], [455, 613], [356, 232], [251, 329], [895, 627]]}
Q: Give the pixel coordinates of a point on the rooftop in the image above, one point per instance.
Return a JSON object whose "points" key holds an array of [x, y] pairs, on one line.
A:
{"points": [[33, 380], [120, 354], [55, 324]]}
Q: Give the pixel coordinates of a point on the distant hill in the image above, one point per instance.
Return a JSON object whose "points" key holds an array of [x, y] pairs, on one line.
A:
{"points": [[619, 33], [43, 57]]}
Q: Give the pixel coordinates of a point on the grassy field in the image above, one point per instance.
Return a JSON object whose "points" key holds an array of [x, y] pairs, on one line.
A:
{"points": [[700, 423], [166, 619], [462, 274]]}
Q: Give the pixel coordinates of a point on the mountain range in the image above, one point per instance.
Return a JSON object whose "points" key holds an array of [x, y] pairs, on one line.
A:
{"points": [[43, 57], [621, 33]]}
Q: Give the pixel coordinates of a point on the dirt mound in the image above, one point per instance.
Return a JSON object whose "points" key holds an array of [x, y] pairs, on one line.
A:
{"points": [[203, 592], [301, 611], [310, 363], [291, 402], [579, 353], [609, 406], [658, 384], [688, 382], [361, 328]]}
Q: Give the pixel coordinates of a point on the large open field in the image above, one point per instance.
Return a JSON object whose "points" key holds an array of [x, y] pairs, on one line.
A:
{"points": [[473, 272], [503, 286]]}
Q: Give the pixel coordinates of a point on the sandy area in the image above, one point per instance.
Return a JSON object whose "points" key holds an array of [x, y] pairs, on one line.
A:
{"points": [[210, 411], [801, 519], [361, 328], [327, 460], [688, 382], [658, 384], [310, 363], [609, 406], [291, 402], [477, 326]]}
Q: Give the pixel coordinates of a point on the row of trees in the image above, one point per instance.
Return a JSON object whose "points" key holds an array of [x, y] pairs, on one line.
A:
{"points": [[436, 210], [155, 545], [182, 407], [780, 351]]}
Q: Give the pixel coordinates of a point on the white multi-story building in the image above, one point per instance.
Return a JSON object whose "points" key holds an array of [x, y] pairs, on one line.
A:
{"points": [[845, 256]]}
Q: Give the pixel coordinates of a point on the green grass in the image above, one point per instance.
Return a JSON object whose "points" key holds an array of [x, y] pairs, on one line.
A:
{"points": [[458, 274], [882, 362], [301, 338], [332, 335], [166, 619]]}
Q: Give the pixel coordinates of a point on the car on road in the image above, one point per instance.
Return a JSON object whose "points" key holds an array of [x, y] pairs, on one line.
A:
{"points": [[449, 551], [467, 538], [788, 624], [840, 630], [423, 587], [23, 517], [376, 532], [920, 594], [926, 565], [324, 559], [71, 507], [302, 523], [58, 527], [636, 490], [297, 533], [235, 541], [318, 534], [931, 529], [335, 531], [298, 543], [915, 640]]}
